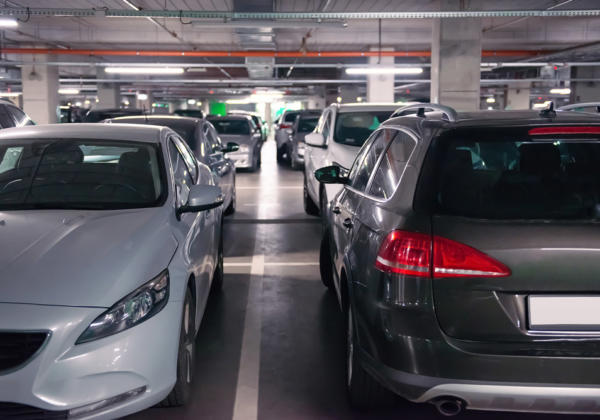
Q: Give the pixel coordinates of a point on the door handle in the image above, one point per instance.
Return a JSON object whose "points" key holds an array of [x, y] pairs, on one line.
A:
{"points": [[336, 210], [347, 223]]}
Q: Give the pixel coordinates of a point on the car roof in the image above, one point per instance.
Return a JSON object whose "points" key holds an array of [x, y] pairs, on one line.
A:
{"points": [[155, 119], [499, 118], [125, 132], [361, 106], [230, 117]]}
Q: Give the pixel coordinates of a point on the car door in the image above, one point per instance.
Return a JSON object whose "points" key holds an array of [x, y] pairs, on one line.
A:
{"points": [[346, 204], [222, 167], [316, 156], [198, 229]]}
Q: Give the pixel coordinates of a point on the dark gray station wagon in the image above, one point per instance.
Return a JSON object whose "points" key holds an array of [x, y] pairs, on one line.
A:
{"points": [[465, 252]]}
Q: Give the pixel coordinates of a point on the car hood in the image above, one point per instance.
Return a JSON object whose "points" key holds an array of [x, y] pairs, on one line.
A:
{"points": [[81, 258]]}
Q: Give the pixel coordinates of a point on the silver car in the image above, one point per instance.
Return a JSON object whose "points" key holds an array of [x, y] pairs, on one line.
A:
{"points": [[240, 129], [110, 241]]}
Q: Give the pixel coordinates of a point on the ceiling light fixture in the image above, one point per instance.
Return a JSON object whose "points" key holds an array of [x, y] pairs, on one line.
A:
{"points": [[560, 91], [384, 70], [144, 70], [191, 102], [242, 101], [68, 91], [142, 96], [7, 22], [491, 100], [9, 94]]}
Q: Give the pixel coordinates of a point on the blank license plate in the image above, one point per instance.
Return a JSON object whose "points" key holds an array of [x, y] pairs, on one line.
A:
{"points": [[564, 313]]}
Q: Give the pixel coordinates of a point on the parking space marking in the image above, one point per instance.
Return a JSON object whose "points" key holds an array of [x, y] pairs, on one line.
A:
{"points": [[281, 187], [246, 396], [267, 264]]}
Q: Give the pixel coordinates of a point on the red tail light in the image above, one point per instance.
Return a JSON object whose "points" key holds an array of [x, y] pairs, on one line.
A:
{"points": [[553, 130], [411, 254], [285, 125]]}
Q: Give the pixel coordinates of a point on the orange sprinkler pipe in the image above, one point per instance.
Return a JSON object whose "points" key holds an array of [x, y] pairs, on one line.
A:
{"points": [[287, 54]]}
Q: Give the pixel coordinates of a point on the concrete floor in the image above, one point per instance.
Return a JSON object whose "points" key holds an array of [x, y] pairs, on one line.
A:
{"points": [[271, 345]]}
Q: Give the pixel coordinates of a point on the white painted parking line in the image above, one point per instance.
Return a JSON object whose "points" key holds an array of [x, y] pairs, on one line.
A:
{"points": [[267, 264], [281, 187], [246, 396]]}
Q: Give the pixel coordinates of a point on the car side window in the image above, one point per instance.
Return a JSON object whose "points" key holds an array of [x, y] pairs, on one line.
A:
{"points": [[188, 156], [359, 176], [5, 119], [391, 167], [326, 126], [183, 179], [214, 140]]}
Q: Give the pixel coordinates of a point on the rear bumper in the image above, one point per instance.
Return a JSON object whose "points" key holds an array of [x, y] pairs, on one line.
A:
{"points": [[489, 395], [242, 159]]}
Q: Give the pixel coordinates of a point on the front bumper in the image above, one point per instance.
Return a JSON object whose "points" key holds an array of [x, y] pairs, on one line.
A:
{"points": [[243, 160], [402, 345], [64, 376]]}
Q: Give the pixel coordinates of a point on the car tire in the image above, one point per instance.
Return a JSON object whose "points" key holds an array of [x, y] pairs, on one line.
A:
{"points": [[323, 204], [325, 263], [181, 392], [217, 284], [280, 155], [309, 205], [231, 207], [259, 158], [364, 392]]}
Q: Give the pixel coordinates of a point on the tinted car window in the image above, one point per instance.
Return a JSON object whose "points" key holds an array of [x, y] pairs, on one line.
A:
{"points": [[188, 157], [213, 139], [19, 116], [390, 169], [306, 125], [231, 126], [183, 180], [290, 116], [94, 174], [360, 177], [5, 119], [503, 178], [353, 128]]}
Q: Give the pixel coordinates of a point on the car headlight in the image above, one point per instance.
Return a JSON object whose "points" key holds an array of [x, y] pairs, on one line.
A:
{"points": [[244, 148], [133, 309]]}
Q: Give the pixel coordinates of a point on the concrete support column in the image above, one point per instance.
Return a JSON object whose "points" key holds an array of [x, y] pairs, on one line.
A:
{"points": [[205, 107], [146, 104], [456, 60], [585, 91], [109, 94], [40, 92], [517, 96], [380, 87], [316, 102]]}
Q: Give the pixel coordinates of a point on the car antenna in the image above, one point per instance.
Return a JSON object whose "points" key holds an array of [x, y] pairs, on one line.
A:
{"points": [[548, 112]]}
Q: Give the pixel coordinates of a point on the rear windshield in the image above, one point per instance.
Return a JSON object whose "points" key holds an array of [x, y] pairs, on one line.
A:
{"points": [[290, 116], [306, 125], [483, 176], [225, 126], [82, 174], [353, 128]]}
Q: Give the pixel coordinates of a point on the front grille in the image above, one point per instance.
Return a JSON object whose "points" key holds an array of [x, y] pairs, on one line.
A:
{"points": [[25, 412], [17, 348]]}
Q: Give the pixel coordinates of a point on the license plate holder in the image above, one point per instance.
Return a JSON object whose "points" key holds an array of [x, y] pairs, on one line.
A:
{"points": [[563, 313]]}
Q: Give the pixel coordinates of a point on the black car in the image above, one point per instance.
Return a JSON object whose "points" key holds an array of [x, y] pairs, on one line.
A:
{"points": [[305, 123], [97, 115], [464, 250], [194, 113], [205, 143], [12, 116]]}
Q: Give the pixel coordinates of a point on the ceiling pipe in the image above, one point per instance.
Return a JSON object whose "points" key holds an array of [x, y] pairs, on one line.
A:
{"points": [[283, 54]]}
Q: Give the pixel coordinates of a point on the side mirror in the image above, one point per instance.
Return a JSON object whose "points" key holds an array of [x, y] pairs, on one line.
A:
{"points": [[333, 174], [201, 198], [315, 139], [230, 147]]}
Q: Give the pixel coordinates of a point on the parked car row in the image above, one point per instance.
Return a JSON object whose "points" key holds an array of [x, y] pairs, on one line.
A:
{"points": [[460, 248]]}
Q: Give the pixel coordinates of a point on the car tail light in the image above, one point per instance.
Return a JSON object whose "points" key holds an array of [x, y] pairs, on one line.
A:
{"points": [[285, 125], [553, 130], [420, 255]]}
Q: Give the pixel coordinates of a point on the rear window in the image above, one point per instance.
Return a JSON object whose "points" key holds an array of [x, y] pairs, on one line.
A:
{"points": [[290, 116], [353, 128], [493, 176], [306, 125], [239, 127]]}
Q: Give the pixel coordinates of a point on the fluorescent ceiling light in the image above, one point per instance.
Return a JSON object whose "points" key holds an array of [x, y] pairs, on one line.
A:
{"points": [[7, 22], [560, 91], [384, 70], [237, 101], [491, 100], [142, 96], [68, 91], [144, 70], [191, 102], [338, 99], [9, 94], [541, 105]]}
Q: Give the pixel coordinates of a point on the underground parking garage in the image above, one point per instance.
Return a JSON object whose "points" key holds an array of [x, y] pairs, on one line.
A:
{"points": [[329, 209]]}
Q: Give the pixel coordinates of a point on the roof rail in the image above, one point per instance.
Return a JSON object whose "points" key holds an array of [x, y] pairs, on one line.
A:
{"points": [[571, 107], [450, 113]]}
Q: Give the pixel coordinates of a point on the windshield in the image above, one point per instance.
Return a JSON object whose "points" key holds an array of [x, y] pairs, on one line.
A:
{"points": [[519, 178], [306, 125], [232, 126], [83, 174], [353, 128]]}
